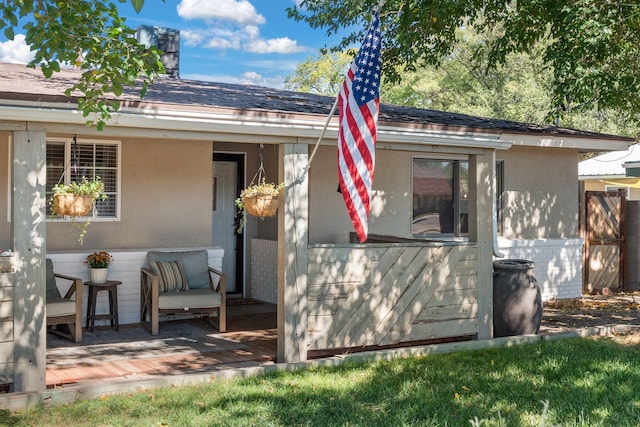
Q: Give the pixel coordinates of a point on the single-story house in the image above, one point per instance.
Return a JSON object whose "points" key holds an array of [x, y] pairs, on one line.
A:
{"points": [[175, 161], [613, 171]]}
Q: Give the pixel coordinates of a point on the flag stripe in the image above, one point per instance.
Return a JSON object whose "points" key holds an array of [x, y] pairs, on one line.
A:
{"points": [[359, 106]]}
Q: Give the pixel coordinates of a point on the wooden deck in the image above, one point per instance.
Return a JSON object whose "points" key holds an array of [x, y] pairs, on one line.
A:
{"points": [[182, 347]]}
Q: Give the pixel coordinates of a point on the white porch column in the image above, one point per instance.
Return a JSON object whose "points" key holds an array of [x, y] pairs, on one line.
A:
{"points": [[481, 189], [293, 238], [28, 229]]}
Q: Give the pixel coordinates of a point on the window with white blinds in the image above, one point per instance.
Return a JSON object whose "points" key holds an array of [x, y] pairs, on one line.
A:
{"points": [[70, 161]]}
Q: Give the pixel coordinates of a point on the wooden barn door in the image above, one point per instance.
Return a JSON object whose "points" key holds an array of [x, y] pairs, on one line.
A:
{"points": [[604, 241]]}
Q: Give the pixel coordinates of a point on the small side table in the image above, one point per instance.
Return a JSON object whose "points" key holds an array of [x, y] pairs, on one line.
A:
{"points": [[110, 286]]}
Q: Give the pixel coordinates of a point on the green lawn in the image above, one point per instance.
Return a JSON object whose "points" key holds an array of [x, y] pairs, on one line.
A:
{"points": [[586, 382]]}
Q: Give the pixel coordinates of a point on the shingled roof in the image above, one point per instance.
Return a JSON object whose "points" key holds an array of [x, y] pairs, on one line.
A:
{"points": [[19, 83]]}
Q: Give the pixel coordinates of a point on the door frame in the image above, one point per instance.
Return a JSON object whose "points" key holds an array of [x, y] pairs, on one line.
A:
{"points": [[240, 160]]}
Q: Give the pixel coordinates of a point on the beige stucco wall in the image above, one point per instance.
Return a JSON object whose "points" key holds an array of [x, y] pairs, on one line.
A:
{"points": [[166, 196], [390, 208], [541, 186], [166, 199]]}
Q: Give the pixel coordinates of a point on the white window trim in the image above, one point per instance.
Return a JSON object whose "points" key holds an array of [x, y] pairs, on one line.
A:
{"points": [[68, 142]]}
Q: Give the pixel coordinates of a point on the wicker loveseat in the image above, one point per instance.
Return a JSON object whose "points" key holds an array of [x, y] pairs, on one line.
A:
{"points": [[179, 283]]}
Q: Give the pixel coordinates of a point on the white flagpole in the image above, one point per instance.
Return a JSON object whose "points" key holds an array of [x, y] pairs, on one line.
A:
{"points": [[324, 130]]}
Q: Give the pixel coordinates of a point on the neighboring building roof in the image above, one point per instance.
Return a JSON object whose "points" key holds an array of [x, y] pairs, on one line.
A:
{"points": [[609, 164]]}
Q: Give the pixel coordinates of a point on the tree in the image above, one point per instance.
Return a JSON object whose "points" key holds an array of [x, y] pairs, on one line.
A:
{"points": [[519, 90], [593, 49], [322, 75], [89, 35]]}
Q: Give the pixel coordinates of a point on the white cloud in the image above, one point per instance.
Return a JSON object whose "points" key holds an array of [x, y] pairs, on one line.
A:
{"points": [[222, 43], [191, 38], [16, 51], [237, 28], [238, 11], [279, 45], [244, 39]]}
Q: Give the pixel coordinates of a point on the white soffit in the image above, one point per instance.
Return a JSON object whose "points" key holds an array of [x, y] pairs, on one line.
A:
{"points": [[582, 143]]}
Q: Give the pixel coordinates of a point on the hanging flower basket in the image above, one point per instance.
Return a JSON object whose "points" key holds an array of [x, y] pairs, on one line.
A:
{"points": [[261, 205], [260, 200], [76, 199], [72, 204]]}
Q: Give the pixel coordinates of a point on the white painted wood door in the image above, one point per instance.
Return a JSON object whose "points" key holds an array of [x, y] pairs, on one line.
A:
{"points": [[224, 219]]}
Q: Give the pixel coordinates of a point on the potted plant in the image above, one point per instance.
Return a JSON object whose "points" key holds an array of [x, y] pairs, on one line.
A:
{"points": [[98, 263], [260, 200], [77, 199]]}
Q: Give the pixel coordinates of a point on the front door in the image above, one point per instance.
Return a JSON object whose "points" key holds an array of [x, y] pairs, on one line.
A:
{"points": [[228, 170]]}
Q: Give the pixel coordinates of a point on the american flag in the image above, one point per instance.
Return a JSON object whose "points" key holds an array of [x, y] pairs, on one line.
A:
{"points": [[358, 101]]}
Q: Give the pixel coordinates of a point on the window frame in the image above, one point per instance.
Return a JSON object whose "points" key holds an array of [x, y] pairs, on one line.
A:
{"points": [[456, 160], [68, 146]]}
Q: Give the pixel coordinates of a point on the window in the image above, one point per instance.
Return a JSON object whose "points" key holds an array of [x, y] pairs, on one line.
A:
{"points": [[618, 189], [69, 160], [441, 196]]}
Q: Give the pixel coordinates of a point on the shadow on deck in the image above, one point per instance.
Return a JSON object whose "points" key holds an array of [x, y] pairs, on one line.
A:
{"points": [[182, 347]]}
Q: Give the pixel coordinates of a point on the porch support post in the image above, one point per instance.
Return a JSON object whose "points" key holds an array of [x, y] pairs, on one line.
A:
{"points": [[28, 230], [293, 238], [481, 188]]}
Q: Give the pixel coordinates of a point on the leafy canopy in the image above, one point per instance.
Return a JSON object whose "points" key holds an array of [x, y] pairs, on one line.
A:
{"points": [[593, 49], [89, 35]]}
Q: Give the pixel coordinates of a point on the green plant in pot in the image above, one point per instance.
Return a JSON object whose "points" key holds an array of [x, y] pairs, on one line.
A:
{"points": [[77, 199], [260, 200]]}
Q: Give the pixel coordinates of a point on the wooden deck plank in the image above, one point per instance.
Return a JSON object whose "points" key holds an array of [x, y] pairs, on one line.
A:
{"points": [[251, 338]]}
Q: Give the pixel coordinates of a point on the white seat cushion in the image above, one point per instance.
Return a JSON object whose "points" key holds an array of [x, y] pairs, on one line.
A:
{"points": [[57, 307], [193, 298]]}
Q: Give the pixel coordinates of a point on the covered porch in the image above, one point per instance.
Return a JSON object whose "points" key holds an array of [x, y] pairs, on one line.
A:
{"points": [[183, 347]]}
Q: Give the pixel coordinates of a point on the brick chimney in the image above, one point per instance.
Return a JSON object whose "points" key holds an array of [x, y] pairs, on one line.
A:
{"points": [[168, 41]]}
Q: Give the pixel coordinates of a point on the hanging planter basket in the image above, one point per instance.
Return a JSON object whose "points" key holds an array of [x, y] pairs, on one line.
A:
{"points": [[260, 198], [72, 205], [261, 205]]}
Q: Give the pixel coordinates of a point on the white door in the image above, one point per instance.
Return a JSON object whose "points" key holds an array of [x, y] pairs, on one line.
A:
{"points": [[224, 219]]}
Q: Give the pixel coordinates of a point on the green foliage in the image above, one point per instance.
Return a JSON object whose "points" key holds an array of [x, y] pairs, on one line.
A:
{"points": [[321, 75], [91, 36], [86, 187], [591, 47], [519, 90]]}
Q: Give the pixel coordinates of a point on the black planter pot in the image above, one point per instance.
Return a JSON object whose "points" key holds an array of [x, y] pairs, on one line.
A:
{"points": [[517, 303]]}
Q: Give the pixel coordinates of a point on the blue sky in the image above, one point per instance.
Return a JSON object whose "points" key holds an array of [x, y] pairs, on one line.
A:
{"points": [[234, 41]]}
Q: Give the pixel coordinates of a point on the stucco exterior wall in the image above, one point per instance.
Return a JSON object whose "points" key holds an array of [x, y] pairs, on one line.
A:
{"points": [[390, 208], [165, 199], [541, 193]]}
